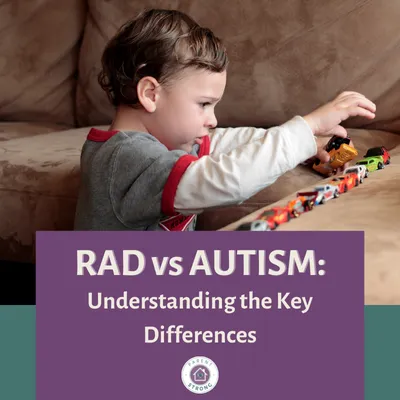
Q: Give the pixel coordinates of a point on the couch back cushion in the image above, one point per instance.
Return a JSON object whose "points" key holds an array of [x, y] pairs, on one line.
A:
{"points": [[38, 59], [287, 57]]}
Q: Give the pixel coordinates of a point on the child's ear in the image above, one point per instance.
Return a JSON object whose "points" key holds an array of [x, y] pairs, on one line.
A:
{"points": [[147, 93]]}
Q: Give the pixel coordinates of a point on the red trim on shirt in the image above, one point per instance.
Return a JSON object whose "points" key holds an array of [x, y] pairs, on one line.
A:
{"points": [[98, 135], [205, 147], [169, 192], [177, 222]]}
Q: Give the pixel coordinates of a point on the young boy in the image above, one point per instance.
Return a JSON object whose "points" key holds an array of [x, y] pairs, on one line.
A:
{"points": [[163, 160]]}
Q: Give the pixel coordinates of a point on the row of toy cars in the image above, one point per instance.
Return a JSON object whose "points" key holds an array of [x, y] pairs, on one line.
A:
{"points": [[341, 152]]}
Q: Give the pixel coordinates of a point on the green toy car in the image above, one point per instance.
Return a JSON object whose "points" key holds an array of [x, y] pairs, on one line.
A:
{"points": [[372, 163]]}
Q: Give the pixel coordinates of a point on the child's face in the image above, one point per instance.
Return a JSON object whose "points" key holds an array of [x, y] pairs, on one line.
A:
{"points": [[185, 108]]}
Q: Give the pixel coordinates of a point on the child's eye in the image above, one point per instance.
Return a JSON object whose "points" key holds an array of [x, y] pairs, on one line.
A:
{"points": [[204, 104]]}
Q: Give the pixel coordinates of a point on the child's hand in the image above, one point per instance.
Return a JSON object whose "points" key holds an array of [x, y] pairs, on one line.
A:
{"points": [[326, 119], [323, 155]]}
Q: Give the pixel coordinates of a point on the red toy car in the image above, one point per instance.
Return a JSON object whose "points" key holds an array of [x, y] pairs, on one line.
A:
{"points": [[300, 205], [275, 216], [346, 182], [379, 151]]}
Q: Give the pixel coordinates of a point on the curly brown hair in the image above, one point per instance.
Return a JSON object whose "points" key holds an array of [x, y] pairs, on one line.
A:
{"points": [[157, 43]]}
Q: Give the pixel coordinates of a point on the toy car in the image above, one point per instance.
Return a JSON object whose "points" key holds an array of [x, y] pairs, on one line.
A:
{"points": [[372, 163], [323, 168], [300, 205], [275, 216], [336, 141], [316, 197], [256, 225], [360, 170], [340, 152], [328, 191], [345, 182], [379, 151]]}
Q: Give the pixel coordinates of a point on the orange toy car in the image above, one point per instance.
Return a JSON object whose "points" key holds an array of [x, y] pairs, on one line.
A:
{"points": [[340, 152], [300, 205], [346, 182], [275, 216]]}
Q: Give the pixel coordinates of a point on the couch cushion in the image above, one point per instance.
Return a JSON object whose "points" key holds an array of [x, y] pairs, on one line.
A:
{"points": [[38, 59], [285, 60], [39, 179], [373, 207], [15, 130]]}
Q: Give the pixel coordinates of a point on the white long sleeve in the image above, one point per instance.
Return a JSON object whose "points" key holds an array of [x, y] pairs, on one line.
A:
{"points": [[242, 162], [224, 140]]}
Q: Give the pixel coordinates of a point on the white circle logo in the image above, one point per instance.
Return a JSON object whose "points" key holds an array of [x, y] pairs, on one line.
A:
{"points": [[200, 375]]}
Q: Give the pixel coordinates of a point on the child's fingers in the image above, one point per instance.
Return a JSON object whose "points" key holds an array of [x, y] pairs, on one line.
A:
{"points": [[347, 94], [361, 112], [323, 155], [359, 101], [367, 104]]}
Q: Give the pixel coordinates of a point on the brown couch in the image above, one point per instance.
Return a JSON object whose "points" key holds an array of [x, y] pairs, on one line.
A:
{"points": [[287, 58]]}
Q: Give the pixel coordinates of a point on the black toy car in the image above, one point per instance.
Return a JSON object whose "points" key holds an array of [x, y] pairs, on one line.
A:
{"points": [[336, 142]]}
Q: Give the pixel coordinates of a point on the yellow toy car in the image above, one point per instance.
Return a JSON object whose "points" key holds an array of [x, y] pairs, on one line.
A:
{"points": [[340, 152]]}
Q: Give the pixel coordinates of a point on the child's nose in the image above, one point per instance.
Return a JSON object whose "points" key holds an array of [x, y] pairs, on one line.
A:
{"points": [[211, 122]]}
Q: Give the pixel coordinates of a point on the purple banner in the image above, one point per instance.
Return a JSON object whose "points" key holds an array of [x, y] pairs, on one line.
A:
{"points": [[224, 315]]}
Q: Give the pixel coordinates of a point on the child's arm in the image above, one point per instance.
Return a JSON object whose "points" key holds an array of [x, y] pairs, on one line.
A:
{"points": [[255, 162], [259, 157], [148, 181], [224, 140]]}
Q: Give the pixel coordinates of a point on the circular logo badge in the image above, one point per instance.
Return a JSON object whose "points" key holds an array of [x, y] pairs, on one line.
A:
{"points": [[200, 375]]}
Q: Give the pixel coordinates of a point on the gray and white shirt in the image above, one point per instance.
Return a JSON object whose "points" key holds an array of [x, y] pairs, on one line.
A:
{"points": [[131, 181]]}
